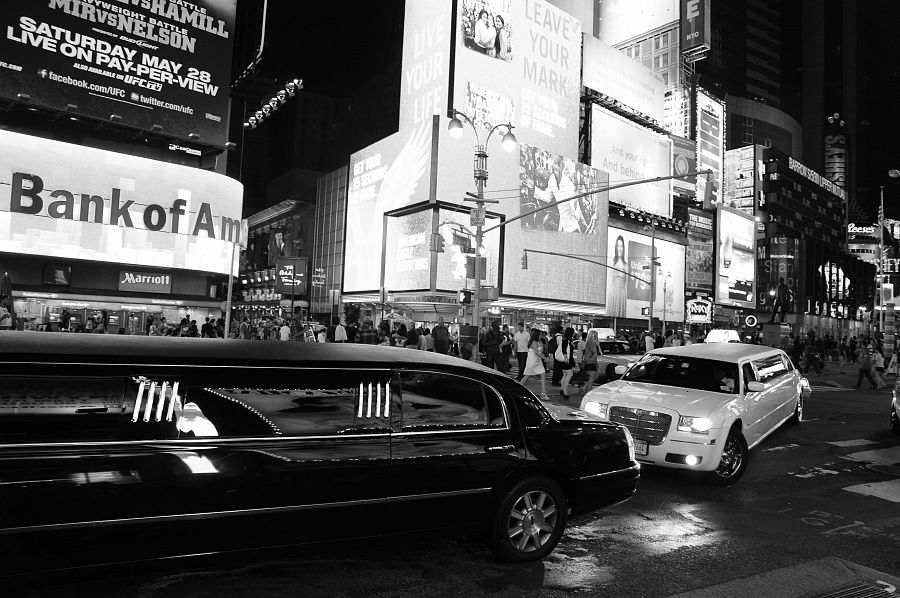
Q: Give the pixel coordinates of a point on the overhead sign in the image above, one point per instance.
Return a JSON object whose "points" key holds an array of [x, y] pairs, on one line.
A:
{"points": [[698, 311], [695, 25], [290, 275], [146, 282], [155, 65], [63, 200]]}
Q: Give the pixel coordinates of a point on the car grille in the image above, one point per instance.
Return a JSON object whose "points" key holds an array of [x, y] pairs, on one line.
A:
{"points": [[644, 425]]}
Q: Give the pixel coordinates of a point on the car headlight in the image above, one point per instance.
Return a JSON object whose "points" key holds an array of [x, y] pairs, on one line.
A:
{"points": [[595, 408], [696, 425]]}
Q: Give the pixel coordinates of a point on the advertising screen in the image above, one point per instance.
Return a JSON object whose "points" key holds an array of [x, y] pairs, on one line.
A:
{"points": [[684, 160], [710, 143], [698, 268], [520, 62], [782, 259], [628, 151], [628, 276], [735, 258], [290, 275], [451, 265], [157, 65], [610, 72], [66, 201], [407, 263], [619, 20]]}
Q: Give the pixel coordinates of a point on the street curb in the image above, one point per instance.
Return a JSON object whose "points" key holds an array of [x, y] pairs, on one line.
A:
{"points": [[800, 581]]}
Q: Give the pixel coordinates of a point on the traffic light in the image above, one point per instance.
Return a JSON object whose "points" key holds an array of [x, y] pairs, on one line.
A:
{"points": [[437, 242], [524, 260], [465, 296], [645, 311], [708, 190]]}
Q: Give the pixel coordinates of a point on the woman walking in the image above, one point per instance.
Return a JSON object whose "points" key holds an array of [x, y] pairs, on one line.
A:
{"points": [[566, 347], [534, 362], [592, 350]]}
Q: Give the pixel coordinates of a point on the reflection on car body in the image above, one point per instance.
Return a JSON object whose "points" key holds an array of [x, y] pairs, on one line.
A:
{"points": [[703, 406], [230, 445]]}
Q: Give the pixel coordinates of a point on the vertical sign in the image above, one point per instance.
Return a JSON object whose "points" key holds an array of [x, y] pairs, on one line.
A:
{"points": [[698, 267], [836, 159], [695, 28], [710, 143]]}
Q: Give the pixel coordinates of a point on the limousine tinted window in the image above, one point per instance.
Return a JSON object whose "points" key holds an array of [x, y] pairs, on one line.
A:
{"points": [[288, 403], [435, 400]]}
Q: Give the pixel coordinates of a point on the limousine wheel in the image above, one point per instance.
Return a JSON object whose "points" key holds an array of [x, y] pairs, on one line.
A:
{"points": [[798, 410], [529, 520], [733, 462]]}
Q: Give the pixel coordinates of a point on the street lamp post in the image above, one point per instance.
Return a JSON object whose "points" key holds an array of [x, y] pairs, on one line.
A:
{"points": [[455, 128], [879, 266], [652, 272], [665, 290]]}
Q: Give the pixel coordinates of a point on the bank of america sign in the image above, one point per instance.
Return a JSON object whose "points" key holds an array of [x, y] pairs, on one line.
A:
{"points": [[145, 282]]}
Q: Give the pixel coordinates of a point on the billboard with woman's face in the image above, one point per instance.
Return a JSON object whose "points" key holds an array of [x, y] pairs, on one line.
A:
{"points": [[628, 275]]}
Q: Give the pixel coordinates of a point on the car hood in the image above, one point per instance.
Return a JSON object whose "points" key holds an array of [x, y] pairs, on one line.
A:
{"points": [[646, 395]]}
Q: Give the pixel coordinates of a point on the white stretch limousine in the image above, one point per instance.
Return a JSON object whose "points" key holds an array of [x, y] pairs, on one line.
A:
{"points": [[704, 406]]}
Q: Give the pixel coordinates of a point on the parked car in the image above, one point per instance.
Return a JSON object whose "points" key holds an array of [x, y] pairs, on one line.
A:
{"points": [[154, 447], [615, 353], [704, 406]]}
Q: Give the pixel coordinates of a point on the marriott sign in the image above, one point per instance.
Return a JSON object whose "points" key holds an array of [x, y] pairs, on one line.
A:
{"points": [[68, 201]]}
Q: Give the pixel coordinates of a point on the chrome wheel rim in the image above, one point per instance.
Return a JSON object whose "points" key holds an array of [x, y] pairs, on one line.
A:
{"points": [[532, 521], [732, 458]]}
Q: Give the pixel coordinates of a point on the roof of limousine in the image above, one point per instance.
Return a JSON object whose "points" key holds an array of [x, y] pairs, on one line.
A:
{"points": [[60, 347], [719, 351]]}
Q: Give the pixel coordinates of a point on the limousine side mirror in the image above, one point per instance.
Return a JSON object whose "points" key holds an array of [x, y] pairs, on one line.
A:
{"points": [[620, 369], [755, 386]]}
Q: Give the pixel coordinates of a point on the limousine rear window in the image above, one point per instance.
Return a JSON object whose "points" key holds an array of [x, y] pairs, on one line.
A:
{"points": [[434, 400]]}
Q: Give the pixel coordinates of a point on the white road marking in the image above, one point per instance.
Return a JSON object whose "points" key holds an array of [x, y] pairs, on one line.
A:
{"points": [[856, 442], [889, 490], [815, 471], [783, 448], [887, 456]]}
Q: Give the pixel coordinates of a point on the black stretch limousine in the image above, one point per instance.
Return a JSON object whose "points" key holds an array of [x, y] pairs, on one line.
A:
{"points": [[218, 446]]}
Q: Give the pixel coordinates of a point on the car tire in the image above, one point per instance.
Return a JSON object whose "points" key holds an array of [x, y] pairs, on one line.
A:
{"points": [[528, 520], [733, 462], [797, 417], [895, 421]]}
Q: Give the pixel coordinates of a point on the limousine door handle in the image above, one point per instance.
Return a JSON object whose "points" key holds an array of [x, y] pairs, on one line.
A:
{"points": [[504, 448]]}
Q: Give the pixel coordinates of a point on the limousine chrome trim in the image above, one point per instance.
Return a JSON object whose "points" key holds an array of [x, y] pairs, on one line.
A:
{"points": [[432, 495], [366, 400], [596, 476], [189, 516], [203, 440]]}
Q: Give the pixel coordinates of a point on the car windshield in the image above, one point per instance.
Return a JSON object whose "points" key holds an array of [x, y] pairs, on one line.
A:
{"points": [[685, 372]]}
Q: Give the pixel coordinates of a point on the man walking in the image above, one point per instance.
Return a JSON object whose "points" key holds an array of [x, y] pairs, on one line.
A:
{"points": [[520, 340], [865, 367], [782, 298], [441, 337]]}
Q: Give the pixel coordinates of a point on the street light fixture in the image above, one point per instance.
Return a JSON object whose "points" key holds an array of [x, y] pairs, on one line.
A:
{"points": [[455, 130]]}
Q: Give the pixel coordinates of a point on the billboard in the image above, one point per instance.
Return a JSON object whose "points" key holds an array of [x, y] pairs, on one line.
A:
{"points": [[619, 20], [290, 275], [459, 245], [628, 151], [520, 62], [611, 72], [698, 268], [780, 258], [684, 160], [735, 258], [710, 143], [836, 159], [695, 25], [157, 65], [628, 287], [63, 200]]}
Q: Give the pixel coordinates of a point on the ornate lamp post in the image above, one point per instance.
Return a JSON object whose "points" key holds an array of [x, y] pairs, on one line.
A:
{"points": [[455, 128]]}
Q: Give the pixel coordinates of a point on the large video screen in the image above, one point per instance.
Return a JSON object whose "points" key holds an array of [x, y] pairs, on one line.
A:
{"points": [[66, 201], [628, 275], [698, 274], [611, 72], [735, 258], [162, 64], [455, 227], [520, 62], [628, 151]]}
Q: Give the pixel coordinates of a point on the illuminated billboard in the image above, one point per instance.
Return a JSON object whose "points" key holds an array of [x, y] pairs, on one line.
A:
{"points": [[710, 144], [782, 259], [156, 65], [684, 160], [426, 61], [520, 62], [628, 151], [611, 72], [698, 274], [619, 20], [73, 202], [628, 287], [459, 245], [696, 31], [735, 258]]}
